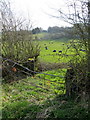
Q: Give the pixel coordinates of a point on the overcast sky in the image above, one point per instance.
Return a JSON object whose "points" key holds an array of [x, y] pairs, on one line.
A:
{"points": [[39, 11]]}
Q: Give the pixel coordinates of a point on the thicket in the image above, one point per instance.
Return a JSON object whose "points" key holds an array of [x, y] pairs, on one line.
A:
{"points": [[79, 15], [17, 41]]}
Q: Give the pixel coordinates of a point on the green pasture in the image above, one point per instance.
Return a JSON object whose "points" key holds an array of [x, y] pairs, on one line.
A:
{"points": [[68, 51], [37, 97], [40, 35], [24, 49], [31, 91]]}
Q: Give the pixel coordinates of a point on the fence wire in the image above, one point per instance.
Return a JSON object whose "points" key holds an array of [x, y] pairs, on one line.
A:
{"points": [[54, 83]]}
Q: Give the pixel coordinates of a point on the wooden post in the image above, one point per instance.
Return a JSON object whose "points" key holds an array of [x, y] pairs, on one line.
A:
{"points": [[88, 61]]}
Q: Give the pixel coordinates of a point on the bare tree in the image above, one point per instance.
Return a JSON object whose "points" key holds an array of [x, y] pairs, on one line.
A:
{"points": [[79, 16], [17, 40]]}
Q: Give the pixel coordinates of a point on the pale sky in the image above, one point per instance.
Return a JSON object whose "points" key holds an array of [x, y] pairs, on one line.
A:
{"points": [[39, 11]]}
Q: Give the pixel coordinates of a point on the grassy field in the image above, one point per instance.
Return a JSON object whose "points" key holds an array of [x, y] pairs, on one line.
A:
{"points": [[17, 96], [43, 96], [68, 51], [40, 35], [39, 97]]}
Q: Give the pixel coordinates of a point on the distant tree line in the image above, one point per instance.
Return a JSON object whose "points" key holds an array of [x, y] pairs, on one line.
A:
{"points": [[61, 32], [58, 32]]}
